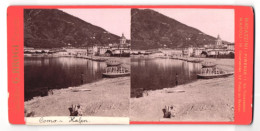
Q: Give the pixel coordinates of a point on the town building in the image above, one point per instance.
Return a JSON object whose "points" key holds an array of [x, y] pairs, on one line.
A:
{"points": [[157, 54], [122, 48], [187, 52], [172, 52], [231, 46], [219, 48], [77, 51]]}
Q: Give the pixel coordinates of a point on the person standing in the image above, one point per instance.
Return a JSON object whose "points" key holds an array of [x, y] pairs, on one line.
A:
{"points": [[176, 79], [82, 78]]}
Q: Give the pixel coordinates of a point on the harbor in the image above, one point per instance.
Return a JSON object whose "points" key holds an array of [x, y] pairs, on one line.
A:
{"points": [[164, 72], [82, 84], [77, 66], [74, 72]]}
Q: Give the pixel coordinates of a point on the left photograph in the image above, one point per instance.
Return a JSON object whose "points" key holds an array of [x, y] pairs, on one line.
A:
{"points": [[77, 62]]}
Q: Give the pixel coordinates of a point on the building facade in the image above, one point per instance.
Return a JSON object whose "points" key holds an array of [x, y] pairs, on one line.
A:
{"points": [[219, 48]]}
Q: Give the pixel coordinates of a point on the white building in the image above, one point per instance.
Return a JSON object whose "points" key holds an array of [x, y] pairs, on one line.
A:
{"points": [[172, 52], [77, 51], [231, 46]]}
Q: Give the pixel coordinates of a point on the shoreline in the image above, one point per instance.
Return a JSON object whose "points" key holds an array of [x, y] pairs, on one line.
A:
{"points": [[126, 61], [202, 100], [106, 97], [224, 63]]}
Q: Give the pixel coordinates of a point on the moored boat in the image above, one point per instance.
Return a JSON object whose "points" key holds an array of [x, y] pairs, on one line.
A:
{"points": [[113, 72], [211, 76], [210, 73]]}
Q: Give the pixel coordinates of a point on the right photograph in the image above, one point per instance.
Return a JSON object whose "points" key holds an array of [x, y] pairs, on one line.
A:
{"points": [[182, 65]]}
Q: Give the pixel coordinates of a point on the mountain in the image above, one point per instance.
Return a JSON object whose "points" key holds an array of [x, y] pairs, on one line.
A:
{"points": [[51, 28], [150, 30]]}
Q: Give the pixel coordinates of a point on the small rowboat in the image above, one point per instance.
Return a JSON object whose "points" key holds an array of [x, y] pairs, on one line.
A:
{"points": [[113, 63], [208, 65], [113, 72]]}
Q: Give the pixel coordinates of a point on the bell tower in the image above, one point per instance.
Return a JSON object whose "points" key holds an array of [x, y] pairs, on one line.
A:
{"points": [[218, 41], [122, 39]]}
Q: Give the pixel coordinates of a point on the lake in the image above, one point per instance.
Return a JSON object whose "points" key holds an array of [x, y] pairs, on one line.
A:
{"points": [[44, 73], [158, 73]]}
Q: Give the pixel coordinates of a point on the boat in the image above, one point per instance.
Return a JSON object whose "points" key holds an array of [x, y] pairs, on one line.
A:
{"points": [[113, 72], [210, 73], [208, 64], [113, 63], [211, 76]]}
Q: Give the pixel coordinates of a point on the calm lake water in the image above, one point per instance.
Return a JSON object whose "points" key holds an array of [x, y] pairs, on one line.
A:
{"points": [[45, 73], [157, 73]]}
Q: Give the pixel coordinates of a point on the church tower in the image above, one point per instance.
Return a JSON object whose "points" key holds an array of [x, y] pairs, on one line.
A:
{"points": [[218, 41], [122, 39]]}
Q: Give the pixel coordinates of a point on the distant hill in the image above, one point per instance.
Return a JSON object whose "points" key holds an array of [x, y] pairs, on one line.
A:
{"points": [[50, 28], [150, 29]]}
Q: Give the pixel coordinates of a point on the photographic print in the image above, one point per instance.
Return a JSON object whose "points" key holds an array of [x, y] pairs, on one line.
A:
{"points": [[182, 63], [76, 62], [145, 64]]}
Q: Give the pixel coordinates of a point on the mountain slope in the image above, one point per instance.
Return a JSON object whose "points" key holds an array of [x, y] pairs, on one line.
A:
{"points": [[50, 28], [150, 29]]}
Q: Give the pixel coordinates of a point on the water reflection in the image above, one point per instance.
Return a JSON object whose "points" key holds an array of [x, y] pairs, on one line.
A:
{"points": [[43, 73], [156, 73]]}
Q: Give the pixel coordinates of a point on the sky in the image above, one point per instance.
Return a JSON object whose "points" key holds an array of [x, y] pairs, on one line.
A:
{"points": [[116, 21], [209, 21]]}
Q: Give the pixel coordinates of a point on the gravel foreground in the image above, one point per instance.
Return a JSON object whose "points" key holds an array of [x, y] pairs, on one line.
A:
{"points": [[107, 97]]}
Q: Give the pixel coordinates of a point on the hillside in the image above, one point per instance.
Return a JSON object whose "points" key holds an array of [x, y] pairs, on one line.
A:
{"points": [[51, 28], [150, 29]]}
